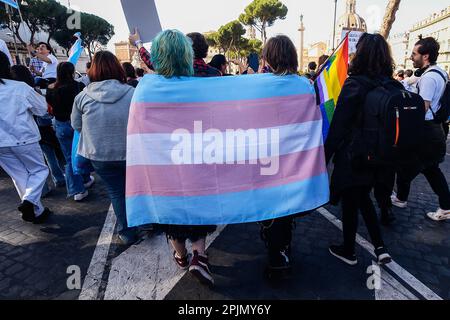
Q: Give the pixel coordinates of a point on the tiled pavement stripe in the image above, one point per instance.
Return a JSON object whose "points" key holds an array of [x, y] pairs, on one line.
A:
{"points": [[92, 281]]}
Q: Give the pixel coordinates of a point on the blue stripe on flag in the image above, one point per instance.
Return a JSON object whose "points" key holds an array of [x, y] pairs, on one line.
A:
{"points": [[12, 3], [239, 207], [75, 52], [159, 89]]}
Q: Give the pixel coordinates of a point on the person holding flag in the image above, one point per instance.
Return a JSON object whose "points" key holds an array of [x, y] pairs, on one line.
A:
{"points": [[350, 184], [44, 53]]}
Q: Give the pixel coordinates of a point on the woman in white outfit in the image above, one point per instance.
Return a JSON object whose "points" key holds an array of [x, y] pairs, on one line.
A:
{"points": [[20, 154]]}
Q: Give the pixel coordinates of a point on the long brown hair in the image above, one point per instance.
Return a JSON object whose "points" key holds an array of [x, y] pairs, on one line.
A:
{"points": [[373, 57], [106, 66]]}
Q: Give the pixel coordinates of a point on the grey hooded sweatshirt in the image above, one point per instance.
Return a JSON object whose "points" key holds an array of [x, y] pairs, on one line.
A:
{"points": [[100, 113]]}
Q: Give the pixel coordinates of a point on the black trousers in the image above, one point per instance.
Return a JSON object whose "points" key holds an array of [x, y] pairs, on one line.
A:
{"points": [[435, 178], [384, 185], [277, 233], [432, 153], [355, 200]]}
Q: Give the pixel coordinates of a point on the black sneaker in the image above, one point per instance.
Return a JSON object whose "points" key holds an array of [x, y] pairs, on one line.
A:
{"points": [[43, 217], [199, 268], [339, 252], [383, 256], [27, 209], [387, 217]]}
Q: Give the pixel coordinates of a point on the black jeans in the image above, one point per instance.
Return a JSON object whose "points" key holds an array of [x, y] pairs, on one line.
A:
{"points": [[435, 178], [277, 233], [431, 155], [354, 200], [384, 185]]}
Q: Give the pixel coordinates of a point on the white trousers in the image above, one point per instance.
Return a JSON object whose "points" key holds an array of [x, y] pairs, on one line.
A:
{"points": [[26, 167]]}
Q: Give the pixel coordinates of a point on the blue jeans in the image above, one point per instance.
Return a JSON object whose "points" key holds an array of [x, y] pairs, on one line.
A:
{"points": [[113, 175], [53, 164], [74, 182]]}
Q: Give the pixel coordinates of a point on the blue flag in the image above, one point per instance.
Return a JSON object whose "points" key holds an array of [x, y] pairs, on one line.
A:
{"points": [[12, 3], [76, 50]]}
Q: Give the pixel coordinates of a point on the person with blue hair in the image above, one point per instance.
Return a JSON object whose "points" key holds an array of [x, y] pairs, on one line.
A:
{"points": [[172, 55]]}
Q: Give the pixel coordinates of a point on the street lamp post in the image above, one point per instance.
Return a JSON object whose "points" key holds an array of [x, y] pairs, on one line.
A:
{"points": [[334, 26]]}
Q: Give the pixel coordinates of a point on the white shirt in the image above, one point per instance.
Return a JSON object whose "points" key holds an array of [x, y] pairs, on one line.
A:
{"points": [[4, 49], [18, 103], [49, 69], [431, 88]]}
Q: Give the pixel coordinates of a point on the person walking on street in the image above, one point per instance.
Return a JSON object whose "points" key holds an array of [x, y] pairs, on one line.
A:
{"points": [[100, 114], [431, 86], [60, 96], [20, 154], [352, 184]]}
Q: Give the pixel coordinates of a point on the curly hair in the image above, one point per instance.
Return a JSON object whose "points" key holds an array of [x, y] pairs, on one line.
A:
{"points": [[199, 45], [172, 54]]}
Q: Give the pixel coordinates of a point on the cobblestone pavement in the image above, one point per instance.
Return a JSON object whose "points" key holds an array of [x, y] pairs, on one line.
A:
{"points": [[34, 259], [418, 244]]}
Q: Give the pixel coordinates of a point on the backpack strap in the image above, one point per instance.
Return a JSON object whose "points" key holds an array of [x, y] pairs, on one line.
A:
{"points": [[445, 83], [439, 73]]}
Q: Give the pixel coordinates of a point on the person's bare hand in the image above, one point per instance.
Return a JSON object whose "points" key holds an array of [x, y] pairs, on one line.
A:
{"points": [[250, 71], [134, 37]]}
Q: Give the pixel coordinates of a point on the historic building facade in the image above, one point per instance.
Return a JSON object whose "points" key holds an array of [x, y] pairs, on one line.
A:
{"points": [[437, 25]]}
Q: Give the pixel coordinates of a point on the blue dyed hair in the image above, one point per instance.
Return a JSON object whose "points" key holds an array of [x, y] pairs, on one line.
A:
{"points": [[172, 54]]}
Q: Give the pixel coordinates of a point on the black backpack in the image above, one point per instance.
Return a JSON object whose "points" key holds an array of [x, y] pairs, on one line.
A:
{"points": [[391, 125], [443, 114]]}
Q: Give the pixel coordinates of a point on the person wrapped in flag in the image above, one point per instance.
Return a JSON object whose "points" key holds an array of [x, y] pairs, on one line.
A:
{"points": [[222, 150]]}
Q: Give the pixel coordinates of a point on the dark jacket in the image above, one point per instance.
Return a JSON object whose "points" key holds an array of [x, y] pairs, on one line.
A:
{"points": [[337, 146], [61, 100]]}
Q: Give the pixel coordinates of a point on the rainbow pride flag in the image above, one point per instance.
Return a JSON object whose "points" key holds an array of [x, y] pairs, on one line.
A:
{"points": [[329, 83], [224, 150]]}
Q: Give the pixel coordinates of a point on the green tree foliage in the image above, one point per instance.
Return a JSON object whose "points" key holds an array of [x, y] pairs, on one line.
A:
{"points": [[262, 14], [51, 17], [229, 36]]}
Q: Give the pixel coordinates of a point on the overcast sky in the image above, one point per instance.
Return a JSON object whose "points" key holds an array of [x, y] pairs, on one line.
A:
{"points": [[207, 15]]}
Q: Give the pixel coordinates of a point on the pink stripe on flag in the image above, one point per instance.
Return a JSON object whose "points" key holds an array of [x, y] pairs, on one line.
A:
{"points": [[195, 180], [242, 114]]}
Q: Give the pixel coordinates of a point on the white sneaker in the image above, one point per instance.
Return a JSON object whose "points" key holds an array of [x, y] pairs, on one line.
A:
{"points": [[89, 184], [439, 215], [398, 203], [80, 196]]}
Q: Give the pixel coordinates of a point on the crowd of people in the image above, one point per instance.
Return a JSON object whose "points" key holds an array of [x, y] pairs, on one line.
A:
{"points": [[42, 107]]}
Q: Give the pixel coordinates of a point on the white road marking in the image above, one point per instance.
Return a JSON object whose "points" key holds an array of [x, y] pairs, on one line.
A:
{"points": [[391, 289], [92, 281], [146, 271], [413, 282]]}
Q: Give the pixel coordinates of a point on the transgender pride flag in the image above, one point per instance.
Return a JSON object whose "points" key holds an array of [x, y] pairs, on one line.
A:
{"points": [[224, 150]]}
